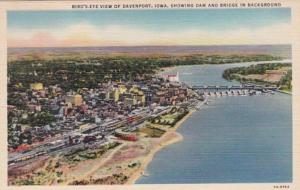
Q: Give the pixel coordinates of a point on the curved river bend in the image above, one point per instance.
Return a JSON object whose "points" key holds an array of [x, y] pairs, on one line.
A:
{"points": [[241, 139]]}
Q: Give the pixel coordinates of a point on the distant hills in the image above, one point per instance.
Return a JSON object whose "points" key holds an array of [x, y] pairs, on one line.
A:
{"points": [[278, 50]]}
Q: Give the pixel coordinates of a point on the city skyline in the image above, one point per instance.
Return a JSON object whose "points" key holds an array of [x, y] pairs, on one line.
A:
{"points": [[148, 27]]}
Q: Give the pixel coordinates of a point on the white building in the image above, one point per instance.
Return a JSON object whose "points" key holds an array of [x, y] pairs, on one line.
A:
{"points": [[172, 77]]}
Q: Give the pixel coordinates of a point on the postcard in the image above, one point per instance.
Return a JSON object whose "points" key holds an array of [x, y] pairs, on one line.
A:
{"points": [[143, 95]]}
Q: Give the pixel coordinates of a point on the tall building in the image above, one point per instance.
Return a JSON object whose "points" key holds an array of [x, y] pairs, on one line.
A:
{"points": [[122, 89], [113, 95], [138, 95], [116, 95], [140, 98], [148, 97]]}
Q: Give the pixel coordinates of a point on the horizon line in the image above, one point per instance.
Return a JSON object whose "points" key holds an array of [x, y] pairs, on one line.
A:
{"points": [[287, 44]]}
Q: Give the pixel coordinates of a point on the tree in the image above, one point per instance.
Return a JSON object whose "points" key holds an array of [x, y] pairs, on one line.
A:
{"points": [[43, 118]]}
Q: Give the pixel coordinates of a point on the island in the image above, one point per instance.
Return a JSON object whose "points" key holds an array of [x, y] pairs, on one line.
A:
{"points": [[273, 74]]}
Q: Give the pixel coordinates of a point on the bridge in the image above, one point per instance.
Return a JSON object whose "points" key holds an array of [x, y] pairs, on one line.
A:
{"points": [[234, 87]]}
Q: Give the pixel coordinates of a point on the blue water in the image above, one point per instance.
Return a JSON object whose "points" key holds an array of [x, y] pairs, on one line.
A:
{"points": [[231, 140]]}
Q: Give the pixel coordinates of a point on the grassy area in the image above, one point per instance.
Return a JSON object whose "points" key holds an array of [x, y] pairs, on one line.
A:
{"points": [[170, 118], [286, 89], [119, 178], [151, 131], [85, 154], [260, 74], [51, 173]]}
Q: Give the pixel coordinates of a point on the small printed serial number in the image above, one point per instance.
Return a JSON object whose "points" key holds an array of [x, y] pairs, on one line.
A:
{"points": [[281, 186]]}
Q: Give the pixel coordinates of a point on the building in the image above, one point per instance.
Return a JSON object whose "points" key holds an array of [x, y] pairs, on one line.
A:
{"points": [[113, 94], [75, 100], [102, 95], [36, 86], [116, 95], [148, 97], [125, 135], [130, 101], [122, 88], [138, 95], [140, 98], [172, 77]]}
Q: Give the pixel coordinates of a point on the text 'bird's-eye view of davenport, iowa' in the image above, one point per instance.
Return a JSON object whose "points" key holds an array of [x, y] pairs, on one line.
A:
{"points": [[173, 96]]}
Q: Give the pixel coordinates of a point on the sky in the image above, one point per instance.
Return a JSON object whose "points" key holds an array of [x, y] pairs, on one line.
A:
{"points": [[148, 27]]}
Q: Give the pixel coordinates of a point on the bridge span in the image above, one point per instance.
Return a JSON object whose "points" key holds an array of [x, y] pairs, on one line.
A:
{"points": [[233, 87]]}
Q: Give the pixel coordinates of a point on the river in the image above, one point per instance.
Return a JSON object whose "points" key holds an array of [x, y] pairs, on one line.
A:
{"points": [[240, 139]]}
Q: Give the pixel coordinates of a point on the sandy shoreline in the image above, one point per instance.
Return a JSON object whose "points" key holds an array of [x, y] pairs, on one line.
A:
{"points": [[170, 137]]}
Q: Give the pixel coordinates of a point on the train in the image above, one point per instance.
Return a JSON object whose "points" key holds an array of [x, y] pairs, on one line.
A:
{"points": [[27, 157]]}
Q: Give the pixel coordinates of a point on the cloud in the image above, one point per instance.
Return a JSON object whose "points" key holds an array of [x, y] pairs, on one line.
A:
{"points": [[85, 34]]}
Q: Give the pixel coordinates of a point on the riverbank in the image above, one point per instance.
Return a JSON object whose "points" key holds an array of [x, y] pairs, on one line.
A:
{"points": [[285, 92], [170, 137], [167, 69]]}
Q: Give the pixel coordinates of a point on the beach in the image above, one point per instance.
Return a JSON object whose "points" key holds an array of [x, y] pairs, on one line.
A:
{"points": [[169, 138], [117, 160]]}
